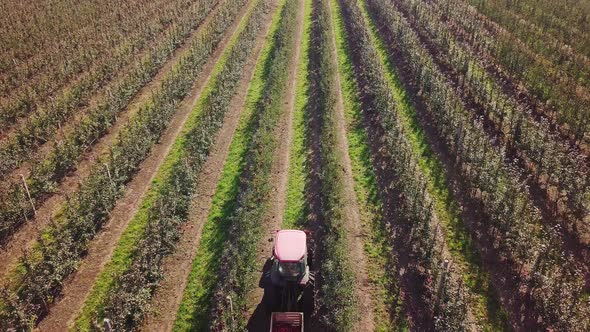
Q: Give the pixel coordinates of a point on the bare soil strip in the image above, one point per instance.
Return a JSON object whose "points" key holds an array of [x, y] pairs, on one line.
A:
{"points": [[177, 266], [77, 288], [352, 218], [280, 172], [26, 236]]}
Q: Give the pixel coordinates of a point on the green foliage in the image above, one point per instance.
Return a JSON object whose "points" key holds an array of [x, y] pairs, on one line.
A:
{"points": [[511, 219], [484, 301], [386, 299], [547, 156], [79, 55], [544, 59], [538, 26], [194, 307], [196, 302], [501, 87], [65, 243], [48, 172], [128, 300], [415, 237], [335, 298]]}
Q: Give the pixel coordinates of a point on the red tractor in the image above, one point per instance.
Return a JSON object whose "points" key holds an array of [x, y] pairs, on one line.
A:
{"points": [[289, 283]]}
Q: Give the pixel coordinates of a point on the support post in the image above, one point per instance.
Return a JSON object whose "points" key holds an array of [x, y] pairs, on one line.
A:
{"points": [[441, 284], [108, 326], [109, 174], [28, 194], [231, 309]]}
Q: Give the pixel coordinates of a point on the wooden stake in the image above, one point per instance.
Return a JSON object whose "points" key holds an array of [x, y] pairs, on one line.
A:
{"points": [[231, 309], [441, 284], [109, 174], [28, 194]]}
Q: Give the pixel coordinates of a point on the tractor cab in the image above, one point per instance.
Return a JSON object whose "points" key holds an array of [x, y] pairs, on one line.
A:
{"points": [[290, 290], [289, 261]]}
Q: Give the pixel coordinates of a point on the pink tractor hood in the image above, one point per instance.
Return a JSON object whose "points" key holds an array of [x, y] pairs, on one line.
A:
{"points": [[290, 245]]}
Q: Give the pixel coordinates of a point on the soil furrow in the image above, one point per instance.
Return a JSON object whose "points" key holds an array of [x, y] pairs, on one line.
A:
{"points": [[177, 267], [78, 286], [25, 237]]}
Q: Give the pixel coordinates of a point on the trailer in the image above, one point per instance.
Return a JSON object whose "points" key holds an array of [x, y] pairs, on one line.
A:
{"points": [[286, 322]]}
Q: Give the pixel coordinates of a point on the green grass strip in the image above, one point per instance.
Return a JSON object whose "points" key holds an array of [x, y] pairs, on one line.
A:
{"points": [[296, 204], [123, 253], [193, 312], [337, 300], [487, 306], [387, 305], [237, 275]]}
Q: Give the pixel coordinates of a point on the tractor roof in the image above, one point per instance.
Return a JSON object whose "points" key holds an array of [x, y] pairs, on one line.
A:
{"points": [[290, 245]]}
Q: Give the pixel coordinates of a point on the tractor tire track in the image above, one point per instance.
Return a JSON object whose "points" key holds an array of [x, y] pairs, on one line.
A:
{"points": [[27, 234], [351, 213], [280, 172], [177, 266], [78, 286]]}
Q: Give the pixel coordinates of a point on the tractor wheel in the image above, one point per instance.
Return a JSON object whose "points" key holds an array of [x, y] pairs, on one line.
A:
{"points": [[271, 297], [311, 282], [265, 278], [306, 303], [310, 259]]}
